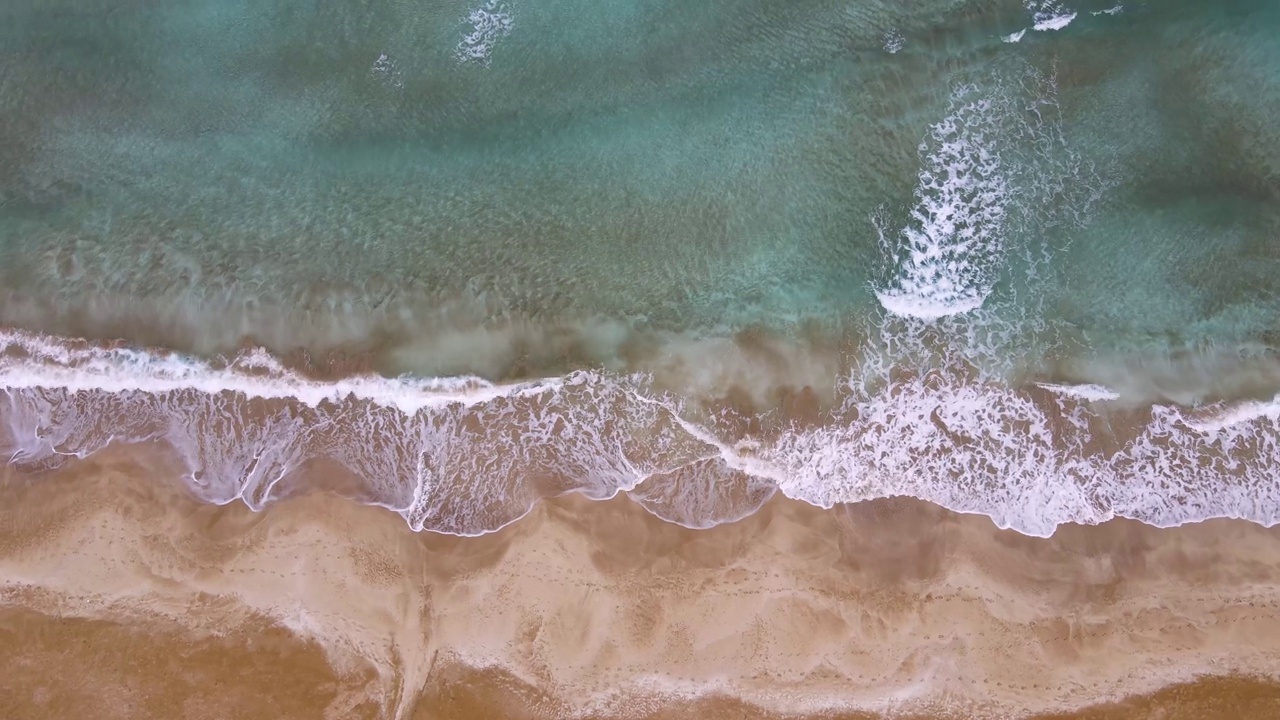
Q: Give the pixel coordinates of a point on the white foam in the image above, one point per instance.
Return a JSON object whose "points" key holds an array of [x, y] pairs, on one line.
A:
{"points": [[1049, 15], [1014, 37], [1089, 392], [993, 452], [385, 70], [969, 448], [958, 301], [452, 455], [47, 362], [1109, 11], [953, 433], [894, 41], [995, 172], [489, 23], [1055, 22], [1175, 472], [1221, 416], [466, 457], [947, 251]]}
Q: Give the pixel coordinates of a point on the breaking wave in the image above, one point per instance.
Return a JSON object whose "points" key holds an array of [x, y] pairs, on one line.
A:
{"points": [[951, 245], [995, 172], [464, 456]]}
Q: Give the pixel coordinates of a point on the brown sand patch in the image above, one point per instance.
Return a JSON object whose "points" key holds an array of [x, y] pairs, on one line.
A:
{"points": [[1214, 698], [462, 695], [598, 609], [75, 668]]}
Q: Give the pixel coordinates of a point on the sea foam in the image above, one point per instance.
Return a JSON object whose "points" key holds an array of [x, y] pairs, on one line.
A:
{"points": [[995, 172], [466, 457], [1049, 15], [1087, 391], [948, 249], [489, 23]]}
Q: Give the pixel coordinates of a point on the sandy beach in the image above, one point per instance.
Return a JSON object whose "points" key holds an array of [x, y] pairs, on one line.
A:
{"points": [[123, 595]]}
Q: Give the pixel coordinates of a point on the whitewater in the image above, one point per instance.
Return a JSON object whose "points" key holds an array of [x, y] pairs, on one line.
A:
{"points": [[467, 457]]}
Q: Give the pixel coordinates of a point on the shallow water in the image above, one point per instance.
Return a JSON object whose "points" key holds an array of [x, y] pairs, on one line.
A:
{"points": [[1015, 259]]}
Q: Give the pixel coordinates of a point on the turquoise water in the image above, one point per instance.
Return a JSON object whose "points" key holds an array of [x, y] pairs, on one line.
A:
{"points": [[656, 163], [726, 194]]}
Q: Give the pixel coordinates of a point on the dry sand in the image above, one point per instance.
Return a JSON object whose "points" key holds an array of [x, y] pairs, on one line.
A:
{"points": [[123, 598]]}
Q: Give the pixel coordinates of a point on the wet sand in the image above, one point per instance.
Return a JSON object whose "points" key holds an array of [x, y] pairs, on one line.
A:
{"points": [[123, 597]]}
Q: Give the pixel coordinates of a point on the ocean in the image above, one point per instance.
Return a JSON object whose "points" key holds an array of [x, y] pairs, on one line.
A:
{"points": [[1013, 259]]}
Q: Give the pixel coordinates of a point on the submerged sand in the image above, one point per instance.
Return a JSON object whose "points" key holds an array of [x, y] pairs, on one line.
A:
{"points": [[124, 598]]}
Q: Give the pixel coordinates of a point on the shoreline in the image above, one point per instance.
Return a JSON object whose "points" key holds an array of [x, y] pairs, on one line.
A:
{"points": [[464, 456], [885, 605]]}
